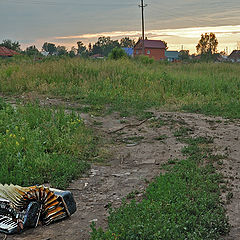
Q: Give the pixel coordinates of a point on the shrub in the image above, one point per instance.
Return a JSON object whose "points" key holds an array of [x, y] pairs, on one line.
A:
{"points": [[144, 59], [117, 53]]}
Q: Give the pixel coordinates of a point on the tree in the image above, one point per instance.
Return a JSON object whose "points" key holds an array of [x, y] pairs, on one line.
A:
{"points": [[61, 50], [81, 48], [104, 46], [73, 52], [117, 53], [32, 51], [89, 47], [223, 53], [11, 45], [207, 45], [127, 42], [49, 47], [184, 55], [165, 44]]}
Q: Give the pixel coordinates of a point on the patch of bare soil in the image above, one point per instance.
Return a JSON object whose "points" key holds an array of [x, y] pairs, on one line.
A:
{"points": [[138, 151]]}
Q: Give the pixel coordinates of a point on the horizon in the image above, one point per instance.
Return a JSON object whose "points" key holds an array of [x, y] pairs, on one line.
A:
{"points": [[33, 22]]}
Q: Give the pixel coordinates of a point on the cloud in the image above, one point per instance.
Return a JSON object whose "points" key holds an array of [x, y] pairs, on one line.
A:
{"points": [[66, 22], [227, 36], [181, 32]]}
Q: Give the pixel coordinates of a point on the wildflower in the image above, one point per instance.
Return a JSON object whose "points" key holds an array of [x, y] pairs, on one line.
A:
{"points": [[22, 138], [7, 131], [17, 143]]}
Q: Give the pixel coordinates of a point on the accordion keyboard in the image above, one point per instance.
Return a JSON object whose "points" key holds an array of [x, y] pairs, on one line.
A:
{"points": [[7, 224]]}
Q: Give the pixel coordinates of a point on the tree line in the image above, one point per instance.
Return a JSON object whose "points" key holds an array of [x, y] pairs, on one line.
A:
{"points": [[206, 47], [103, 46]]}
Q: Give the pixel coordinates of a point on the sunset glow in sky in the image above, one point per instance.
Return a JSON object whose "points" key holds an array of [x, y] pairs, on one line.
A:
{"points": [[179, 23]]}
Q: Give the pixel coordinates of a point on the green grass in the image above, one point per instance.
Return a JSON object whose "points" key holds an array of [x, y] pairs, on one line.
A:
{"points": [[181, 204], [39, 145], [129, 86], [42, 145]]}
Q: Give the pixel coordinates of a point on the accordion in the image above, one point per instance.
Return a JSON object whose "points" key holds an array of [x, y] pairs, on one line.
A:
{"points": [[26, 207]]}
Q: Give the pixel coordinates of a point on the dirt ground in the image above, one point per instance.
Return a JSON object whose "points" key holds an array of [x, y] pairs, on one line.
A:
{"points": [[138, 151]]}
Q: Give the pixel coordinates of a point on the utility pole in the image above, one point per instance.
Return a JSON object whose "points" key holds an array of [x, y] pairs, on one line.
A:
{"points": [[142, 6]]}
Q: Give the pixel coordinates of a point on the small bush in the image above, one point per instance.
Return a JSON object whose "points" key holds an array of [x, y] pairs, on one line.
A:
{"points": [[117, 53], [145, 59]]}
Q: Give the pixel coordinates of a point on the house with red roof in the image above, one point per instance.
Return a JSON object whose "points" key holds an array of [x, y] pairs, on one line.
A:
{"points": [[5, 52], [152, 48], [234, 56], [97, 56]]}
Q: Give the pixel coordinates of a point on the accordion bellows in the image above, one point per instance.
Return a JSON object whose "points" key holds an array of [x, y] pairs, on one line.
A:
{"points": [[25, 207]]}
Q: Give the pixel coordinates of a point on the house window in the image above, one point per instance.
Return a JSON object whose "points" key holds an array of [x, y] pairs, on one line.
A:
{"points": [[148, 52]]}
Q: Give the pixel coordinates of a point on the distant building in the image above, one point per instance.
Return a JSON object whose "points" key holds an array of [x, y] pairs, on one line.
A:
{"points": [[5, 52], [97, 56], [152, 48], [221, 57], [234, 56], [172, 56], [128, 51]]}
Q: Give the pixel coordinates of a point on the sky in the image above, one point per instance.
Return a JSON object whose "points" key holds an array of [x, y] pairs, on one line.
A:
{"points": [[64, 22]]}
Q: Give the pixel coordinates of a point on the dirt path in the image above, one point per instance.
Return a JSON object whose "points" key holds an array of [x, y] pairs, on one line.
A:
{"points": [[138, 153]]}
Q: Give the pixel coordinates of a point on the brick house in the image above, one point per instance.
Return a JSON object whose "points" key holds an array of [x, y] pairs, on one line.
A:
{"points": [[5, 52], [234, 56], [153, 48]]}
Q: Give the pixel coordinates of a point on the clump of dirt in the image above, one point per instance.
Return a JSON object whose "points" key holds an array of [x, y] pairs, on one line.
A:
{"points": [[138, 151]]}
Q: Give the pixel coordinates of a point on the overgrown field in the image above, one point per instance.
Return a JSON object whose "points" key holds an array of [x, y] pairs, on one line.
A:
{"points": [[39, 145], [129, 85]]}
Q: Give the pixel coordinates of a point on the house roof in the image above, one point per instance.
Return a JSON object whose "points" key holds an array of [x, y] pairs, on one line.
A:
{"points": [[98, 55], [129, 51], [7, 52], [235, 54], [172, 54], [151, 44]]}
